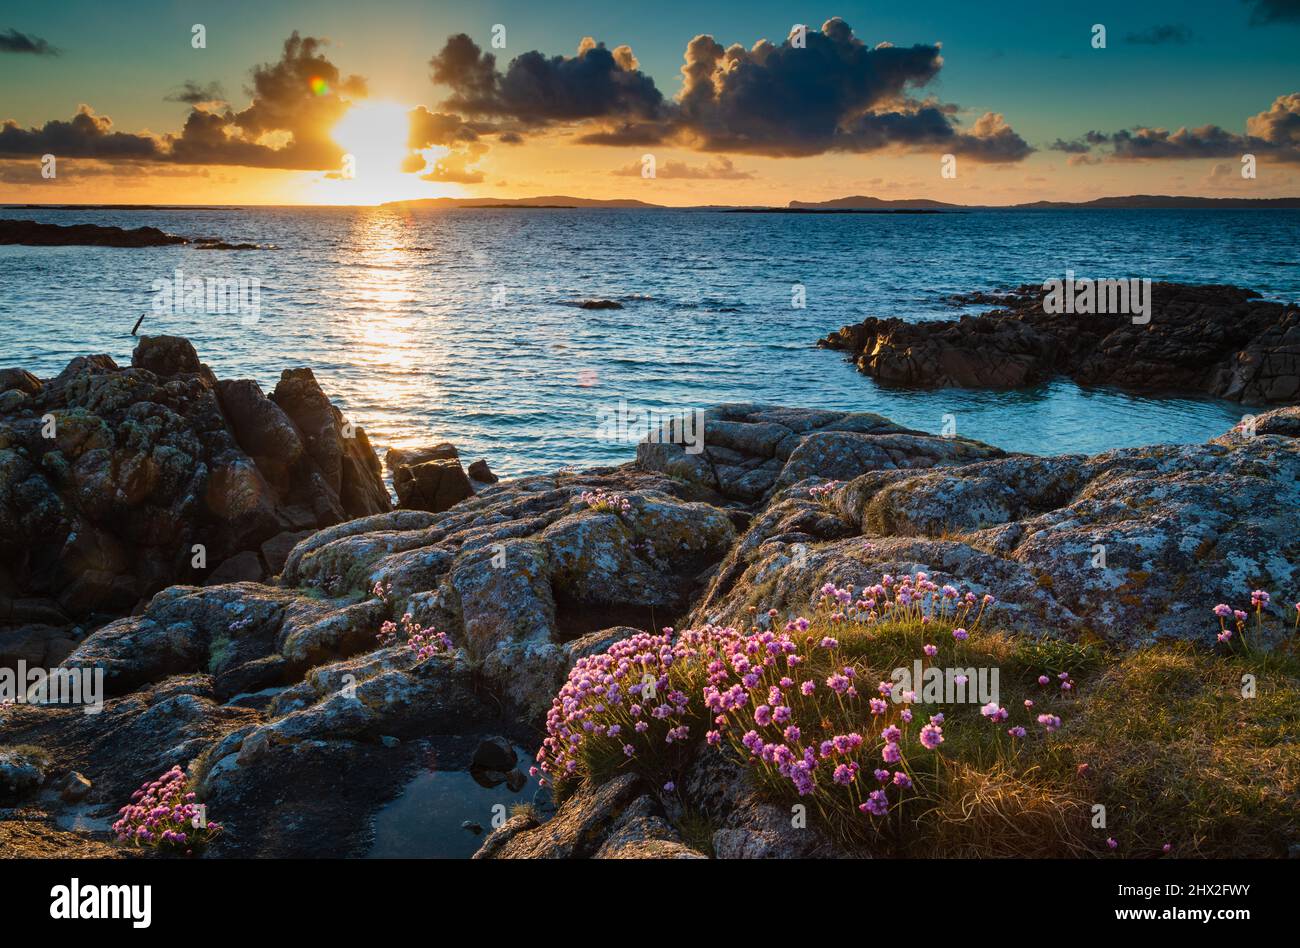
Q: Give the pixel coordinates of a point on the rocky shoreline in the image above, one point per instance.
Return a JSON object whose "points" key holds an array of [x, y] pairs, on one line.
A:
{"points": [[34, 234], [296, 714], [1222, 341]]}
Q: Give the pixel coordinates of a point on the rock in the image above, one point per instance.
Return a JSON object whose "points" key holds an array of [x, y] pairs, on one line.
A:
{"points": [[750, 450], [431, 485], [579, 827], [242, 567], [59, 235], [479, 471], [1217, 340], [516, 780], [19, 380], [1026, 529], [276, 550], [409, 457], [494, 753], [151, 461], [22, 770], [472, 827], [166, 356], [74, 787], [600, 304], [497, 839], [34, 234]]}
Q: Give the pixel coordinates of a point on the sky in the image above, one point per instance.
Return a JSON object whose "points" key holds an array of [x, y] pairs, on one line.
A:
{"points": [[676, 103]]}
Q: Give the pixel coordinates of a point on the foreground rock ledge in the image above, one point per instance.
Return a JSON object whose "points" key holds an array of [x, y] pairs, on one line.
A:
{"points": [[296, 723], [1201, 340]]}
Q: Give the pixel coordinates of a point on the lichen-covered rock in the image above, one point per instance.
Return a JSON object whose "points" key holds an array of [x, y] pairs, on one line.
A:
{"points": [[751, 450], [116, 482], [1131, 544]]}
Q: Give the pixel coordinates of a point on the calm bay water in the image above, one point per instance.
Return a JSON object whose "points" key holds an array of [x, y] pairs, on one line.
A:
{"points": [[394, 311]]}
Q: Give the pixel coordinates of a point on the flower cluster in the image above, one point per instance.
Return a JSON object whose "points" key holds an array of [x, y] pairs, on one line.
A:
{"points": [[628, 701], [907, 599], [606, 501], [1259, 601], [823, 492], [423, 642], [382, 591], [163, 813]]}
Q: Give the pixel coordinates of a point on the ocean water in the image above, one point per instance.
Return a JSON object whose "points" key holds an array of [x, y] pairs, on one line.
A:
{"points": [[464, 326]]}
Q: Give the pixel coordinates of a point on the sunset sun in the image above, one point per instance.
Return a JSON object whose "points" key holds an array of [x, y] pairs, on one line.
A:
{"points": [[373, 136]]}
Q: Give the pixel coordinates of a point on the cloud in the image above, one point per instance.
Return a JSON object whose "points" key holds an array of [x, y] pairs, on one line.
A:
{"points": [[538, 90], [718, 168], [191, 93], [826, 91], [295, 103], [11, 41], [1274, 133], [1264, 12], [85, 135], [1171, 34]]}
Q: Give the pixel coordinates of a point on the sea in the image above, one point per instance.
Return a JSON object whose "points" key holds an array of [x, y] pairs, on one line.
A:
{"points": [[467, 325]]}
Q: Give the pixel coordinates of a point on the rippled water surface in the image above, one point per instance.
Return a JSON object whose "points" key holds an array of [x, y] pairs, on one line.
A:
{"points": [[394, 310]]}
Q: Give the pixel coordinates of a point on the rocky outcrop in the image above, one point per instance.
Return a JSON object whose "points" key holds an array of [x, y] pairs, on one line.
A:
{"points": [[35, 234], [116, 482], [1215, 340], [751, 450], [1130, 544], [295, 720]]}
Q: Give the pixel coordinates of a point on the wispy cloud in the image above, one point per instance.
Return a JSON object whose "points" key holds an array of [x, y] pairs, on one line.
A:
{"points": [[11, 41]]}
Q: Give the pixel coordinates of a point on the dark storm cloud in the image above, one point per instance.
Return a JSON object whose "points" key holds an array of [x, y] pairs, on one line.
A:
{"points": [[1170, 34], [1274, 133], [1273, 11], [826, 91], [11, 41], [537, 89]]}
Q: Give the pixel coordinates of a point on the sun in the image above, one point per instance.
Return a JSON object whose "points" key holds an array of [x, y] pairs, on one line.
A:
{"points": [[373, 136]]}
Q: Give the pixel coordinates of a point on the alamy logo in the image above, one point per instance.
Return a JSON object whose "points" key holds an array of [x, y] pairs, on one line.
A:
{"points": [[1086, 296], [209, 296], [936, 685], [70, 686], [658, 426], [103, 901]]}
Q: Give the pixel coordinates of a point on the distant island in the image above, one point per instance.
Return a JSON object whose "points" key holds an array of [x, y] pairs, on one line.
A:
{"points": [[1162, 201], [856, 203]]}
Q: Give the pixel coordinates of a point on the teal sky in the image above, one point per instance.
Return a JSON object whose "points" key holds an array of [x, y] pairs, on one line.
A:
{"points": [[1030, 62]]}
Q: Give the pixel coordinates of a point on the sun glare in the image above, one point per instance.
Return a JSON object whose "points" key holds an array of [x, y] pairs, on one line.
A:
{"points": [[373, 136]]}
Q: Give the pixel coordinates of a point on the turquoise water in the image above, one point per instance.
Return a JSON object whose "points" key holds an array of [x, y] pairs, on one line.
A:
{"points": [[400, 315]]}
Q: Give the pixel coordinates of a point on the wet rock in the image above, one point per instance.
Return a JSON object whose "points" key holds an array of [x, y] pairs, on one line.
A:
{"points": [[473, 827], [479, 471], [431, 485], [409, 457], [1218, 340], [494, 753]]}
